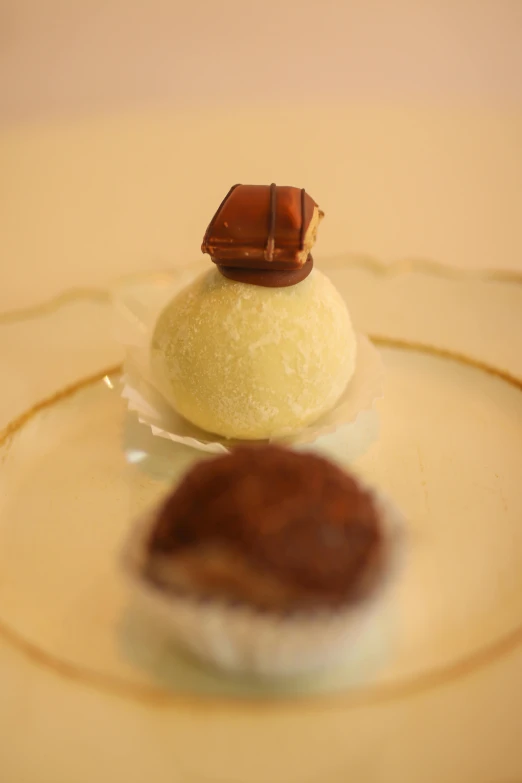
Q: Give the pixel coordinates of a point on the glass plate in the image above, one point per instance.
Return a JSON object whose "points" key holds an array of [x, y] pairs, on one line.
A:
{"points": [[433, 698]]}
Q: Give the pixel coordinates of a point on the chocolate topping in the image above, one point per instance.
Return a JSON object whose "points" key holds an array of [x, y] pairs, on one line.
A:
{"points": [[270, 243], [270, 527], [262, 227], [269, 278], [303, 224]]}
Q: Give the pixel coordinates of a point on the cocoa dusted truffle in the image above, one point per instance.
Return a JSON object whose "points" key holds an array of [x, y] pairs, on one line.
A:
{"points": [[270, 528], [268, 562]]}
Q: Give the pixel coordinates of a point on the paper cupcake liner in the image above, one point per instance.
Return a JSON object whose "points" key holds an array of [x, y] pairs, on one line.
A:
{"points": [[136, 310], [241, 639]]}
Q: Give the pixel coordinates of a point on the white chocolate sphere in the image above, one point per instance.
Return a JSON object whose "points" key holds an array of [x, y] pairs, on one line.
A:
{"points": [[249, 362]]}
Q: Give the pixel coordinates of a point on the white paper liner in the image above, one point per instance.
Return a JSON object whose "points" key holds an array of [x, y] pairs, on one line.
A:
{"points": [[136, 312], [243, 640]]}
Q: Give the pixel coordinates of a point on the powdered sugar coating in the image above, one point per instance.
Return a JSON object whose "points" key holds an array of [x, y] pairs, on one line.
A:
{"points": [[250, 362]]}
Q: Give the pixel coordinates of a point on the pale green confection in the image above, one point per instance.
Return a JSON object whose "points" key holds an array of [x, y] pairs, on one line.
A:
{"points": [[249, 362]]}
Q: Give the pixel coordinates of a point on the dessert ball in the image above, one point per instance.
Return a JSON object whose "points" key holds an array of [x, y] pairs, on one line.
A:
{"points": [[267, 561], [262, 345], [274, 529], [250, 361]]}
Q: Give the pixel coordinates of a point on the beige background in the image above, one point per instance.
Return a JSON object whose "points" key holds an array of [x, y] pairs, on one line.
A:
{"points": [[123, 123], [58, 55]]}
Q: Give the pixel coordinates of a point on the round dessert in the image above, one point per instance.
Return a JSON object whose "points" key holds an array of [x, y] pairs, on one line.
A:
{"points": [[272, 528], [267, 560], [262, 345], [252, 362]]}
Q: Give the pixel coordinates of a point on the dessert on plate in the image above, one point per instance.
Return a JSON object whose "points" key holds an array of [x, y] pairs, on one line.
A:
{"points": [[261, 345], [266, 560]]}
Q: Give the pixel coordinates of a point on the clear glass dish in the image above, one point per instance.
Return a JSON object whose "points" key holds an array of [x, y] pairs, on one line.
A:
{"points": [[77, 469]]}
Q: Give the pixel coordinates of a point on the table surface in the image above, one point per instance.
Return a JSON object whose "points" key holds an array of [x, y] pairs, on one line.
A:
{"points": [[86, 200]]}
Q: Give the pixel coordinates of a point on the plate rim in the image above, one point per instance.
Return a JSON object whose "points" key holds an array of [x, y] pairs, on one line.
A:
{"points": [[373, 695], [397, 268]]}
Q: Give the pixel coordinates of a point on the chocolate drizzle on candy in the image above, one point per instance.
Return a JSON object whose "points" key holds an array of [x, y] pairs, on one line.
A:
{"points": [[270, 243], [263, 234]]}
